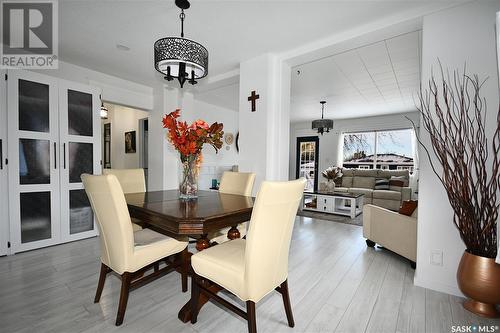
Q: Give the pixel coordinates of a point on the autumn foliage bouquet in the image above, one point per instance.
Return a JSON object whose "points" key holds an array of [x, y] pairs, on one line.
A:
{"points": [[188, 140]]}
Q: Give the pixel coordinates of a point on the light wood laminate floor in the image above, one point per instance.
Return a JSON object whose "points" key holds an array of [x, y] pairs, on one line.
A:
{"points": [[337, 284]]}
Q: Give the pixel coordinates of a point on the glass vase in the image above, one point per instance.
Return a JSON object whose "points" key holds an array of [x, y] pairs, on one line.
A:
{"points": [[330, 186], [188, 180]]}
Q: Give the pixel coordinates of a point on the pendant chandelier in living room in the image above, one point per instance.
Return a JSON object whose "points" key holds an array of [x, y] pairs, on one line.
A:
{"points": [[322, 125], [180, 58]]}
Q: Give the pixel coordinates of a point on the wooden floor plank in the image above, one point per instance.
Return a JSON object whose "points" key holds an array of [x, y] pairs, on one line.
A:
{"points": [[336, 284], [411, 315]]}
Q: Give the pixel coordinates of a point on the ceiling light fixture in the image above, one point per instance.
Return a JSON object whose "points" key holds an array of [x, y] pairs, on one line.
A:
{"points": [[322, 125], [180, 58], [104, 111]]}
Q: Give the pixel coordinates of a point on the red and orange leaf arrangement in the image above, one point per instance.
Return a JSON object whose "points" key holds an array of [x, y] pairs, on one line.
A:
{"points": [[188, 140]]}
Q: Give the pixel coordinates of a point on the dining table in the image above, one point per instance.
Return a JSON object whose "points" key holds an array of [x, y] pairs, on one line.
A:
{"points": [[165, 212]]}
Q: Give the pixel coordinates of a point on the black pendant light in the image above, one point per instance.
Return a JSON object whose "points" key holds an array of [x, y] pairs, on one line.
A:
{"points": [[180, 58], [322, 125]]}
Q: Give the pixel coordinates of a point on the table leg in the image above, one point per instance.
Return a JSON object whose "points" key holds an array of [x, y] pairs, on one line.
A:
{"points": [[202, 243], [185, 312], [233, 233], [353, 208]]}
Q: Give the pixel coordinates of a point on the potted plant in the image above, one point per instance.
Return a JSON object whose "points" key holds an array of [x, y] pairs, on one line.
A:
{"points": [[188, 140], [331, 174], [454, 115]]}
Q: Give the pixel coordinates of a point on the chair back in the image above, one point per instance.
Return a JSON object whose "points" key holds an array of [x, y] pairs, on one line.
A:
{"points": [[269, 235], [131, 180], [240, 183], [110, 208]]}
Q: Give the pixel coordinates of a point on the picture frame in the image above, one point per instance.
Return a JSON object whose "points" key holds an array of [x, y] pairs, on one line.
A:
{"points": [[130, 142]]}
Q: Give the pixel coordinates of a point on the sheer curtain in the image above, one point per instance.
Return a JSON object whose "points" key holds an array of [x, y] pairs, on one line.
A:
{"points": [[416, 164]]}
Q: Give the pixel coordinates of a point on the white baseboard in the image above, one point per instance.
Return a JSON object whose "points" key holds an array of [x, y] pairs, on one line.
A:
{"points": [[438, 286]]}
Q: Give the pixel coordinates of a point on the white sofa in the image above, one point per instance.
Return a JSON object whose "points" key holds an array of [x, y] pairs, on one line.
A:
{"points": [[394, 231]]}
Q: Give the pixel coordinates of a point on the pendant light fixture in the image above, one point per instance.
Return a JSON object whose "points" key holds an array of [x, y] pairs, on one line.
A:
{"points": [[180, 58], [104, 111], [322, 125]]}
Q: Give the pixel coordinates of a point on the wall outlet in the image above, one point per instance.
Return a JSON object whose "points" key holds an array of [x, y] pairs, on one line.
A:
{"points": [[437, 257]]}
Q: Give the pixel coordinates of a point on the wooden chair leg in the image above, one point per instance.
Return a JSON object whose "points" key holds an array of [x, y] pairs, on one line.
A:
{"points": [[286, 303], [126, 279], [100, 284], [184, 269], [195, 295], [252, 324]]}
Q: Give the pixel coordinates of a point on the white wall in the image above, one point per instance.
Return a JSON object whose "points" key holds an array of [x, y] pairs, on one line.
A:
{"points": [[114, 89], [330, 144], [215, 163], [123, 119], [264, 134], [462, 34], [163, 159]]}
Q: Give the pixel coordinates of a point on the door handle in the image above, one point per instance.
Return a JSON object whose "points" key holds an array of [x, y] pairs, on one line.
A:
{"points": [[1, 154], [64, 155], [55, 156]]}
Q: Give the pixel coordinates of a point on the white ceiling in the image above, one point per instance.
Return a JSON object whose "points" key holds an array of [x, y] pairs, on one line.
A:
{"points": [[232, 31], [378, 78]]}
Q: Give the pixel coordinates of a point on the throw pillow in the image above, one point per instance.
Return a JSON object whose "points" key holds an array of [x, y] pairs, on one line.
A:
{"points": [[396, 185], [400, 178], [381, 184], [408, 207]]}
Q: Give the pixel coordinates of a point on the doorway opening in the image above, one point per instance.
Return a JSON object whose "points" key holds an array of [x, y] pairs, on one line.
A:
{"points": [[307, 161]]}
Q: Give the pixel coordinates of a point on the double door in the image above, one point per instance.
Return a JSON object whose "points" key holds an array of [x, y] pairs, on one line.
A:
{"points": [[53, 138]]}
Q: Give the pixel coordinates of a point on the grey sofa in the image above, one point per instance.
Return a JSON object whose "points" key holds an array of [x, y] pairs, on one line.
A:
{"points": [[363, 181]]}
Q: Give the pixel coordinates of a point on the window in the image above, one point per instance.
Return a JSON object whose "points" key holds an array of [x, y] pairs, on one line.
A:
{"points": [[386, 150]]}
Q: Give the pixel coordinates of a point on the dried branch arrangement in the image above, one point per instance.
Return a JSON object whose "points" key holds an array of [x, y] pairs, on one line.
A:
{"points": [[454, 115]]}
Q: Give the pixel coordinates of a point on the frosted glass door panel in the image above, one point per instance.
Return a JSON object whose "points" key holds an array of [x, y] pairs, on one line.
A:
{"points": [[80, 160], [80, 113], [35, 216], [81, 217], [34, 161], [33, 106]]}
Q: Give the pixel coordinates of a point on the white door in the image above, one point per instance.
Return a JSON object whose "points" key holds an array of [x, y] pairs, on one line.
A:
{"points": [[80, 143], [33, 160], [4, 202]]}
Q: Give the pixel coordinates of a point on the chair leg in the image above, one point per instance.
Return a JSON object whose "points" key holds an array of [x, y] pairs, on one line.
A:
{"points": [[100, 284], [195, 295], [252, 324], [286, 303], [126, 279], [184, 269]]}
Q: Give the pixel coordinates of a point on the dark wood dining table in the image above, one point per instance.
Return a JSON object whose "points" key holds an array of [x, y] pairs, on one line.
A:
{"points": [[165, 213]]}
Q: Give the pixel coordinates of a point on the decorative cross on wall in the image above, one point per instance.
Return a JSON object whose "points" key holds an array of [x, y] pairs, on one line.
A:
{"points": [[252, 98]]}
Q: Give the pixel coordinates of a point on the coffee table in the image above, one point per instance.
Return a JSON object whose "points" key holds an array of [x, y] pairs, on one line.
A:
{"points": [[339, 203]]}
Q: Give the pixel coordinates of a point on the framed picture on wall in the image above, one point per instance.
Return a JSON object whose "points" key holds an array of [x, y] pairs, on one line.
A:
{"points": [[130, 146]]}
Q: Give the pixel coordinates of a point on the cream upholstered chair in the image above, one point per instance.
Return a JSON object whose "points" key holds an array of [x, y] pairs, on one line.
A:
{"points": [[394, 231], [124, 251], [252, 268], [131, 181], [240, 183]]}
